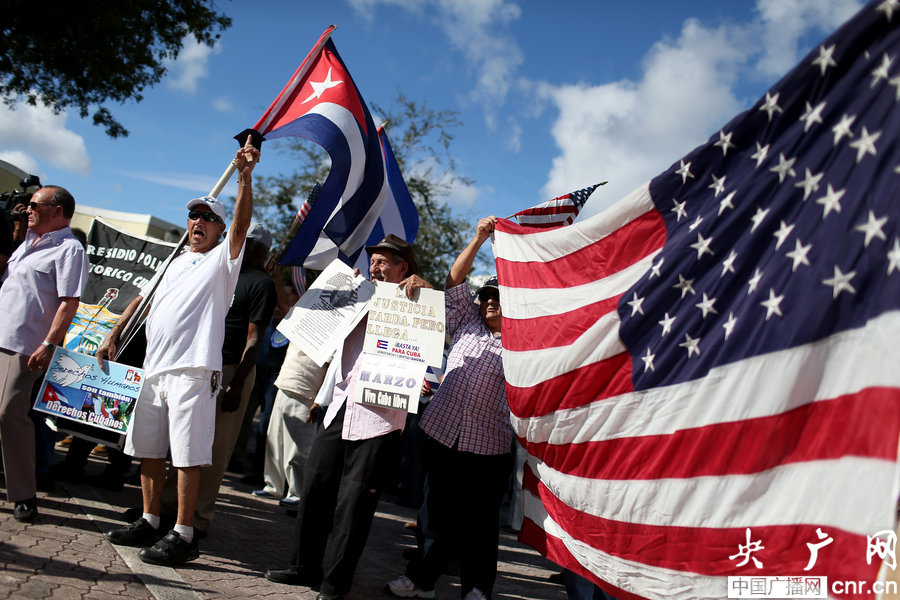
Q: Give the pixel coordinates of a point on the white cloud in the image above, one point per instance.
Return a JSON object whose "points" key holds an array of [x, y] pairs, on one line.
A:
{"points": [[457, 192], [192, 65], [184, 181], [463, 195], [784, 23], [629, 131], [20, 159], [223, 105], [475, 29], [626, 132], [32, 134]]}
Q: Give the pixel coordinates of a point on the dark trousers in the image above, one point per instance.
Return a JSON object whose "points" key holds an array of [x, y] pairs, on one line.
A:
{"points": [[465, 491], [342, 483]]}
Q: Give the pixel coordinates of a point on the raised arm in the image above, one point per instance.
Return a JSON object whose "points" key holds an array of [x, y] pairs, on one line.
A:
{"points": [[244, 161], [463, 263]]}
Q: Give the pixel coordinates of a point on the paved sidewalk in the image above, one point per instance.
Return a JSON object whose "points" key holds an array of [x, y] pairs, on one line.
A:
{"points": [[64, 554]]}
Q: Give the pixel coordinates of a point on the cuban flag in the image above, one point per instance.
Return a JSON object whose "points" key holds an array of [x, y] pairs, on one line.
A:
{"points": [[399, 214], [322, 103]]}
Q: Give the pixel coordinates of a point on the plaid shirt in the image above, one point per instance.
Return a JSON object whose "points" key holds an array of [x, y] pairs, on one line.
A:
{"points": [[470, 407]]}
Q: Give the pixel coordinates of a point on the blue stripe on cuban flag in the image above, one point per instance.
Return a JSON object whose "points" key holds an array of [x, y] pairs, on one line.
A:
{"points": [[398, 214], [322, 103]]}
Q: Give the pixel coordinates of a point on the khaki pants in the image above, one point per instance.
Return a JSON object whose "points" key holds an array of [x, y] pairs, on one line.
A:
{"points": [[16, 429], [228, 426], [288, 443]]}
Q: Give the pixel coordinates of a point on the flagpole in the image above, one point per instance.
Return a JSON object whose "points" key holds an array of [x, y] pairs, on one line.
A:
{"points": [[140, 314]]}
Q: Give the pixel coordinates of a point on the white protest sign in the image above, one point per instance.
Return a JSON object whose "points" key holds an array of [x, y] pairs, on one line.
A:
{"points": [[327, 312], [404, 328], [389, 382]]}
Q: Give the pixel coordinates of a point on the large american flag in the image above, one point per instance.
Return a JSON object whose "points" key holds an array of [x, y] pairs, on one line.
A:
{"points": [[706, 375]]}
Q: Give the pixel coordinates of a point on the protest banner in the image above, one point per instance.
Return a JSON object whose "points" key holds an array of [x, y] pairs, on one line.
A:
{"points": [[77, 389], [327, 312], [121, 263], [390, 382], [400, 327]]}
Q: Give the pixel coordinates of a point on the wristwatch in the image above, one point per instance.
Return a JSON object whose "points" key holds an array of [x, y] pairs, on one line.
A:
{"points": [[47, 344]]}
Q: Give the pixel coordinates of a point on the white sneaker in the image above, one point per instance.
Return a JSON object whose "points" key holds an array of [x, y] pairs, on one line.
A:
{"points": [[475, 594], [403, 587]]}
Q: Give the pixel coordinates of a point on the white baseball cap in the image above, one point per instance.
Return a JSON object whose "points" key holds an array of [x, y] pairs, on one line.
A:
{"points": [[213, 203]]}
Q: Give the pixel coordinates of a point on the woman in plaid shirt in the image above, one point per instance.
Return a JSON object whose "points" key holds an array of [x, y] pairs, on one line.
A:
{"points": [[467, 451]]}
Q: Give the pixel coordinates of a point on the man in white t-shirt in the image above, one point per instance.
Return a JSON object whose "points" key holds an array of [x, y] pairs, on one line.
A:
{"points": [[182, 368]]}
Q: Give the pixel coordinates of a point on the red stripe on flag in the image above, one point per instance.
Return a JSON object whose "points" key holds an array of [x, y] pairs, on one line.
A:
{"points": [[552, 331], [555, 550], [811, 432], [557, 209], [578, 387], [545, 224], [607, 256], [706, 550]]}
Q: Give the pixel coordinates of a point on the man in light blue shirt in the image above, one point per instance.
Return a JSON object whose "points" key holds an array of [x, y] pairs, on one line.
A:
{"points": [[38, 299]]}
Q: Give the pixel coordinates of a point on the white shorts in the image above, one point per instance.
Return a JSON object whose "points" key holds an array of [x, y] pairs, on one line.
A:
{"points": [[176, 409]]}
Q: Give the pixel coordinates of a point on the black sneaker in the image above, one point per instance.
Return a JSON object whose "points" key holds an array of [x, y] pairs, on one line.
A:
{"points": [[138, 533], [25, 511], [170, 551]]}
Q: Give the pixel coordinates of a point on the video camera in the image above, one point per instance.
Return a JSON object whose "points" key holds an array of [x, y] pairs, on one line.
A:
{"points": [[9, 200]]}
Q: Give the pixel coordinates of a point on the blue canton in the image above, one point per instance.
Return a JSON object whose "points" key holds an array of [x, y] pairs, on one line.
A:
{"points": [[783, 228]]}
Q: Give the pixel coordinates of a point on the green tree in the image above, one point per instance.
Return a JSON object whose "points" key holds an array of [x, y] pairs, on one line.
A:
{"points": [[86, 54], [421, 138]]}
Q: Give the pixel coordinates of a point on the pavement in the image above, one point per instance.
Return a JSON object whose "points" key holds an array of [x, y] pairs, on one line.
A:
{"points": [[64, 555]]}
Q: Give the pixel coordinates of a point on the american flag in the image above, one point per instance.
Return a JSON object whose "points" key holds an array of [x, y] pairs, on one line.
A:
{"points": [[557, 212], [705, 376], [298, 276]]}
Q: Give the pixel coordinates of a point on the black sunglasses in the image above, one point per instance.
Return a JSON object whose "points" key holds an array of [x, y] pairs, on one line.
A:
{"points": [[209, 217], [491, 295]]}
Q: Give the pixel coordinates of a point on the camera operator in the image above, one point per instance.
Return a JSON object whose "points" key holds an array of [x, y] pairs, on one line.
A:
{"points": [[13, 220]]}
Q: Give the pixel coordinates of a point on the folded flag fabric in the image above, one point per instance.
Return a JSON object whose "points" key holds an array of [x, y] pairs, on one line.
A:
{"points": [[705, 375]]}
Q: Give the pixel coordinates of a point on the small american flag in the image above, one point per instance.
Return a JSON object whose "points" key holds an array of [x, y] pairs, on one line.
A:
{"points": [[706, 375], [298, 275], [557, 212], [307, 204]]}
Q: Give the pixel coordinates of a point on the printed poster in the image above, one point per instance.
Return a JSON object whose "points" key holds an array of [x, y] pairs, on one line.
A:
{"points": [[75, 388], [390, 382], [120, 264], [327, 312], [400, 327]]}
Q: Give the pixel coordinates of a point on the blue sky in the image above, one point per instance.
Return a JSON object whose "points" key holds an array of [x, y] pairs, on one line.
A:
{"points": [[553, 96]]}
